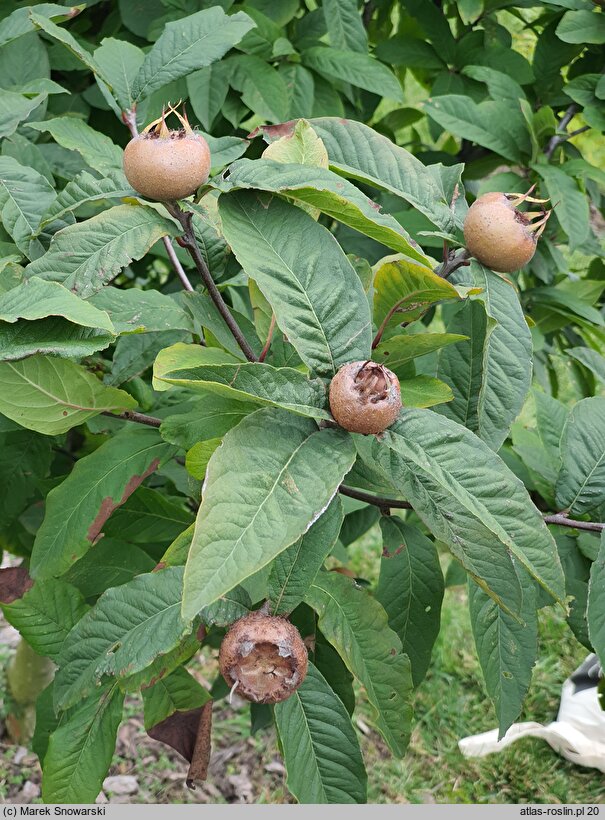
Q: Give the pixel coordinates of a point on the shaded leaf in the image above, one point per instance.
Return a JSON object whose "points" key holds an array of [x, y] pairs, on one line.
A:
{"points": [[581, 483]]}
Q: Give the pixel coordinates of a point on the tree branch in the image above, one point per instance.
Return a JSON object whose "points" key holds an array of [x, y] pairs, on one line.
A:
{"points": [[130, 415], [553, 142], [189, 242], [384, 504], [453, 262], [563, 521], [265, 349]]}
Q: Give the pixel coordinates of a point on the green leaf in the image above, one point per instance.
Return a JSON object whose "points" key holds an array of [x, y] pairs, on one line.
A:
{"points": [[53, 336], [212, 417], [287, 471], [424, 391], [581, 484], [576, 567], [500, 86], [360, 70], [24, 197], [411, 52], [189, 44], [301, 147], [108, 563], [300, 88], [14, 108], [53, 395], [18, 22], [230, 607], [133, 310], [208, 89], [507, 650], [263, 89], [484, 515], [82, 190], [120, 61], [149, 517], [85, 256], [68, 41], [328, 193], [356, 625], [197, 458], [253, 381], [400, 350], [317, 297], [582, 27], [404, 289], [320, 747], [410, 589], [187, 356], [596, 599], [345, 27], [494, 125], [569, 203], [77, 509], [80, 750], [24, 460], [293, 570], [590, 359], [358, 151], [178, 692], [46, 614], [37, 299], [96, 149], [126, 630], [490, 374]]}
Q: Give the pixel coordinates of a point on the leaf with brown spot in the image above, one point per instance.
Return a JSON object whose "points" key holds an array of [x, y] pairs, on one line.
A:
{"points": [[77, 509], [14, 583]]}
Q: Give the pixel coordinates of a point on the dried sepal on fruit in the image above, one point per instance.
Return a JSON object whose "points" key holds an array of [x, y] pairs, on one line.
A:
{"points": [[499, 235], [164, 164], [365, 397], [263, 658]]}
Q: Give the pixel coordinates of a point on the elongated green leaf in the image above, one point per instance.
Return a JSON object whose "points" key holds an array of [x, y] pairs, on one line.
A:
{"points": [[18, 22], [329, 193], [489, 374], [260, 383], [596, 602], [484, 515], [108, 563], [85, 256], [581, 484], [54, 336], [262, 87], [590, 359], [178, 692], [83, 190], [126, 630], [356, 625], [53, 395], [133, 310], [25, 458], [577, 568], [320, 747], [358, 151], [24, 197], [360, 70], [63, 36], [187, 356], [188, 44], [230, 607], [424, 391], [119, 62], [208, 89], [36, 299], [317, 297], [287, 472], [580, 26], [212, 417], [410, 589], [149, 517], [80, 750], [96, 149], [46, 614], [77, 509], [345, 26], [400, 350], [507, 650], [500, 85], [14, 108], [293, 571], [569, 203]]}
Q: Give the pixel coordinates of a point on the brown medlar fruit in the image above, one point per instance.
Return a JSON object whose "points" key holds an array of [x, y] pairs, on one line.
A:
{"points": [[263, 658], [500, 236], [165, 165], [365, 397]]}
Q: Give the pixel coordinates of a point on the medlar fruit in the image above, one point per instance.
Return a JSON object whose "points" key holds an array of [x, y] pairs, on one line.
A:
{"points": [[365, 397], [500, 236], [164, 165], [263, 658]]}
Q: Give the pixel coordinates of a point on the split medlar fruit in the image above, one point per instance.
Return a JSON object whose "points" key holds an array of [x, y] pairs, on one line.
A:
{"points": [[164, 165], [263, 658], [500, 236], [365, 397]]}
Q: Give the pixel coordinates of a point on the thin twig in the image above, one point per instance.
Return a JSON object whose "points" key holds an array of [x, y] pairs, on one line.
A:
{"points": [[561, 126], [563, 521], [378, 501], [265, 349], [176, 264], [189, 242], [129, 118], [130, 415], [453, 262]]}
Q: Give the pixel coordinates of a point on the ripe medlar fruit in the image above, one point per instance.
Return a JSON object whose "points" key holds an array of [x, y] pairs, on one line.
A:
{"points": [[500, 236], [263, 658], [166, 165], [365, 397]]}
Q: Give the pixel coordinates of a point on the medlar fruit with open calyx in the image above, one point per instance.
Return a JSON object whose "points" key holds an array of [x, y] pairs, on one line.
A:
{"points": [[263, 658], [365, 397], [165, 165], [500, 236]]}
